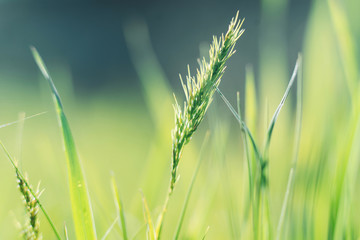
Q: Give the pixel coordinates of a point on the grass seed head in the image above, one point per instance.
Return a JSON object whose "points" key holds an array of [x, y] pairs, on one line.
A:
{"points": [[31, 229], [199, 91]]}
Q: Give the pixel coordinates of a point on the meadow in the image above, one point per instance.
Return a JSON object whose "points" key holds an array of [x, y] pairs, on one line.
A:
{"points": [[277, 158]]}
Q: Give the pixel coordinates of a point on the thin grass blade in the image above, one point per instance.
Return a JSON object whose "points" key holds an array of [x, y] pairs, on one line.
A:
{"points": [[66, 232], [21, 120], [110, 228], [238, 118], [138, 231], [80, 202], [246, 147], [206, 232], [151, 234], [119, 207], [251, 162], [295, 151], [277, 112]]}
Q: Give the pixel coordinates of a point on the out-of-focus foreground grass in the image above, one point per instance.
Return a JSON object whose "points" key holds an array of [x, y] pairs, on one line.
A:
{"points": [[128, 133]]}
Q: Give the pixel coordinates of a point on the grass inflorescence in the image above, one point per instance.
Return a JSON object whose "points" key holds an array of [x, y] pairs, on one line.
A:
{"points": [[199, 91], [31, 229]]}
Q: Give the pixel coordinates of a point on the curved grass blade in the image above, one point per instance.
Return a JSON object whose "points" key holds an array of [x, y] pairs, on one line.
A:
{"points": [[80, 202], [242, 123], [187, 198], [21, 176], [110, 228], [119, 207], [295, 152], [277, 112]]}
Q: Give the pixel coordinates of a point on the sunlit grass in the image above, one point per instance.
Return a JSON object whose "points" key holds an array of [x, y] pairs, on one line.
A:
{"points": [[293, 176]]}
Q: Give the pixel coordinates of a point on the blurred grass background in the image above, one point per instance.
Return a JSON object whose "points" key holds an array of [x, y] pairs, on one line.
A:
{"points": [[116, 64]]}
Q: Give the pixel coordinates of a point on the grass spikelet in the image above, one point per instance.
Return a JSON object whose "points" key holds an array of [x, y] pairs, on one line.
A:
{"points": [[31, 229], [29, 190], [199, 91]]}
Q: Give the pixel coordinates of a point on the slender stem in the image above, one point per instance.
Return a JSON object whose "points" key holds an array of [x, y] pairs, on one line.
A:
{"points": [[187, 198]]}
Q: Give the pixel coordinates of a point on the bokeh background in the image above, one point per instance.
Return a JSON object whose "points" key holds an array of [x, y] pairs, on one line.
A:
{"points": [[116, 65]]}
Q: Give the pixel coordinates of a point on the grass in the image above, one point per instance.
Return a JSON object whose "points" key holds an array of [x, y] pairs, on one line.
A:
{"points": [[299, 184]]}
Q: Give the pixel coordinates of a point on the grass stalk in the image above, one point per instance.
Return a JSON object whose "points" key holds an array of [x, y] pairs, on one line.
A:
{"points": [[188, 194], [199, 93]]}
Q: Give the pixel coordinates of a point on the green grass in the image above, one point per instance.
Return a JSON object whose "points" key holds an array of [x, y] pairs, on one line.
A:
{"points": [[295, 177]]}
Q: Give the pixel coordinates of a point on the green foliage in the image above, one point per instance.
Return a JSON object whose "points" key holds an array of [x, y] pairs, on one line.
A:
{"points": [[302, 184]]}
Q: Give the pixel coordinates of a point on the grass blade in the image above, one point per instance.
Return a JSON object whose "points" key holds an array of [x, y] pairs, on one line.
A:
{"points": [[21, 176], [277, 112], [151, 234], [187, 198], [120, 209], [206, 232], [138, 232], [249, 155], [110, 228], [246, 148], [80, 202], [296, 150], [66, 232], [242, 123], [21, 120]]}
